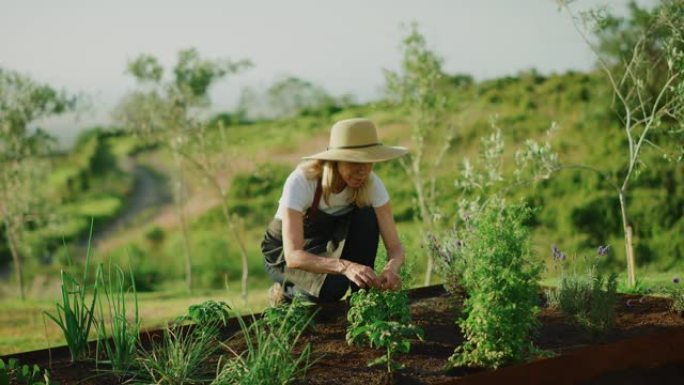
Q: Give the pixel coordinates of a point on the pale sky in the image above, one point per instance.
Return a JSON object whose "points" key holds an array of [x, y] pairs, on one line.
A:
{"points": [[83, 46]]}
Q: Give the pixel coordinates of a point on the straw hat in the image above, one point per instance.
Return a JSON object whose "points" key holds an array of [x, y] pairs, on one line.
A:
{"points": [[356, 140]]}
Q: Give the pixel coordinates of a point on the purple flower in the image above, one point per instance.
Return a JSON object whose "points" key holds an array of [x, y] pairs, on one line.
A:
{"points": [[675, 280], [561, 257], [556, 253], [602, 250]]}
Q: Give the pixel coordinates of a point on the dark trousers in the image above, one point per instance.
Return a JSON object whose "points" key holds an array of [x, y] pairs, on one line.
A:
{"points": [[361, 246]]}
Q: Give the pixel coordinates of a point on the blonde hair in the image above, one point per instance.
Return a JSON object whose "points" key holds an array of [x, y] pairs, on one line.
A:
{"points": [[326, 171]]}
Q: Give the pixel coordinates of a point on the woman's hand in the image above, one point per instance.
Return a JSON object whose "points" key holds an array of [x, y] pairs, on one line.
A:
{"points": [[362, 275], [389, 279]]}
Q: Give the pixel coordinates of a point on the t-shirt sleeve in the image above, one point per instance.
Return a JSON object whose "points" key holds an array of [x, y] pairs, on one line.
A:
{"points": [[298, 192], [379, 195]]}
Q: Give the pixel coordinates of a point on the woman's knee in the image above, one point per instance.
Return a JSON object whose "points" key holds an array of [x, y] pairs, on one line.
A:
{"points": [[333, 289]]}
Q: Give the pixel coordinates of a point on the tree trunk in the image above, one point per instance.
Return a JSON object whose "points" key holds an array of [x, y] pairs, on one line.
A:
{"points": [[16, 258], [180, 211], [425, 216], [234, 230], [629, 249]]}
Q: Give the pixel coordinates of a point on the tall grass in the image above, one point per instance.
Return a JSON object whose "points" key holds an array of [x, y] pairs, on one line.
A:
{"points": [[270, 358], [74, 315], [120, 350], [181, 357]]}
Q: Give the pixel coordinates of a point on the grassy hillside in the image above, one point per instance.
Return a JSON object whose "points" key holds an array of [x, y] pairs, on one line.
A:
{"points": [[576, 208]]}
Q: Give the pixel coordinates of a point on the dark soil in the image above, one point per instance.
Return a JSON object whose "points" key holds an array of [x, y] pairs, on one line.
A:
{"points": [[642, 347]]}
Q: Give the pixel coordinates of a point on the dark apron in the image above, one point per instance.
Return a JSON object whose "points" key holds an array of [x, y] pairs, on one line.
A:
{"points": [[324, 235]]}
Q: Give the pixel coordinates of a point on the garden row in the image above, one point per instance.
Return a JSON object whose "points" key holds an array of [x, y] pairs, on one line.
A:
{"points": [[493, 295]]}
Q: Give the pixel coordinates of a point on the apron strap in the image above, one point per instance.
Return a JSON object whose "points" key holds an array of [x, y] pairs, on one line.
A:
{"points": [[311, 212]]}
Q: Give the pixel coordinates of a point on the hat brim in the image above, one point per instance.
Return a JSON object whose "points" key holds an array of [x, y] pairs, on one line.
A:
{"points": [[373, 154]]}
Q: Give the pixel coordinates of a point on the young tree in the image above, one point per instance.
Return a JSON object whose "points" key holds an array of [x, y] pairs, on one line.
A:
{"points": [[23, 161], [166, 112], [419, 88], [210, 157], [643, 59]]}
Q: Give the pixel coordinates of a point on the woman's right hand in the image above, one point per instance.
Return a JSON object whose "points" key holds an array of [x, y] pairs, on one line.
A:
{"points": [[362, 275]]}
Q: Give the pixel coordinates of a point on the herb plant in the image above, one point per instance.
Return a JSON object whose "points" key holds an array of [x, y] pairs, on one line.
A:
{"points": [[381, 320], [589, 298], [502, 283], [208, 313]]}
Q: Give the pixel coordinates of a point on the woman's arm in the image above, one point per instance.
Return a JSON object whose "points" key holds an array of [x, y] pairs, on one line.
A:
{"points": [[389, 277], [297, 258]]}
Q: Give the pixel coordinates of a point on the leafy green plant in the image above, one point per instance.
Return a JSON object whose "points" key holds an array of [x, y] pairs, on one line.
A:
{"points": [[74, 315], [208, 314], [502, 283], [269, 358], [590, 297], [13, 372], [120, 349], [381, 319]]}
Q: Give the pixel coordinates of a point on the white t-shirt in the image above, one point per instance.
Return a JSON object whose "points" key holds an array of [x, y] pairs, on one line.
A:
{"points": [[298, 194]]}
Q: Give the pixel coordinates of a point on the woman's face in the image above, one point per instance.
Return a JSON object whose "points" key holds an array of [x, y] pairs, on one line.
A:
{"points": [[354, 174]]}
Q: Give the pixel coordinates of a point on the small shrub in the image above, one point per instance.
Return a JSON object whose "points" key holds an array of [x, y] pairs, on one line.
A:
{"points": [[155, 235], [589, 298], [502, 284]]}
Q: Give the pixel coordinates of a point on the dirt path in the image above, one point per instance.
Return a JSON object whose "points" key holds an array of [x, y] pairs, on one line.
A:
{"points": [[155, 202], [149, 195]]}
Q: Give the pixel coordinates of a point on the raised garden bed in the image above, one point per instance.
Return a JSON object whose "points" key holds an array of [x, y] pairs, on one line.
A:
{"points": [[646, 345]]}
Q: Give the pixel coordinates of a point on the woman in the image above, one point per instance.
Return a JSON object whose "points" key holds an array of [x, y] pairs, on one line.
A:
{"points": [[324, 236]]}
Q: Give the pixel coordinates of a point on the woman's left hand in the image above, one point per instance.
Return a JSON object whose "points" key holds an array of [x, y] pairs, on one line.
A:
{"points": [[389, 280]]}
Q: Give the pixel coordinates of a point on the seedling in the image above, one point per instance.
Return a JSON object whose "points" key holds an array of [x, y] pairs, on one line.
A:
{"points": [[381, 319]]}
